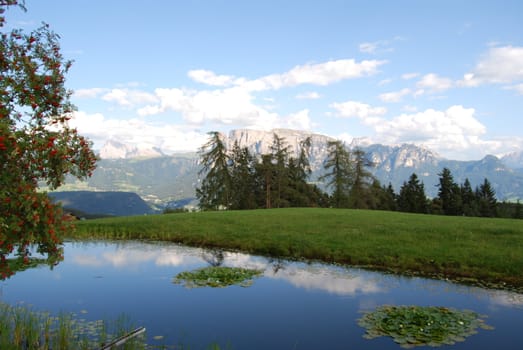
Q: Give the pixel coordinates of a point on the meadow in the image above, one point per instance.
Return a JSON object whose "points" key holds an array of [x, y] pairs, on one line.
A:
{"points": [[481, 251]]}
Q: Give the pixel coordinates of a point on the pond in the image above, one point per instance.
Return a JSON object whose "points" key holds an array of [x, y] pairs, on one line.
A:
{"points": [[291, 305]]}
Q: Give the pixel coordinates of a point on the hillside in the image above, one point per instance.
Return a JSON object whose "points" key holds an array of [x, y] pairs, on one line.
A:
{"points": [[103, 203]]}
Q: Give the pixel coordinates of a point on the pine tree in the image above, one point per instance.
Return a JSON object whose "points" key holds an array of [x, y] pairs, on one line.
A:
{"points": [[359, 194], [468, 198], [338, 173], [449, 194], [412, 196], [243, 183], [215, 190], [486, 198]]}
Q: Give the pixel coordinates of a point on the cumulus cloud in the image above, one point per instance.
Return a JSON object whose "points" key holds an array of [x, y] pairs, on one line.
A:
{"points": [[409, 76], [300, 121], [308, 96], [450, 132], [129, 97], [316, 74], [394, 96], [518, 88], [433, 83], [210, 78], [90, 93], [499, 65], [359, 110], [231, 106], [169, 137]]}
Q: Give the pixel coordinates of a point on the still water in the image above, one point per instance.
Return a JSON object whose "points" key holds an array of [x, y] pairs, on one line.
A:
{"points": [[294, 305]]}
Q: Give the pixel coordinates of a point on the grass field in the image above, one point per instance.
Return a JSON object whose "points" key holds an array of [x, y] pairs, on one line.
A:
{"points": [[474, 250]]}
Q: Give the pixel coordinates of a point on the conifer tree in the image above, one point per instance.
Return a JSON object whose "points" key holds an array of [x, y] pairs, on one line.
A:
{"points": [[338, 174]]}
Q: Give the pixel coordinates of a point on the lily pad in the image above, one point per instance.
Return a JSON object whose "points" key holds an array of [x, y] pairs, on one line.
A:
{"points": [[217, 277], [412, 326]]}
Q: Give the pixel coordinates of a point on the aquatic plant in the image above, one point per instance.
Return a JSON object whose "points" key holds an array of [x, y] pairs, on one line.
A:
{"points": [[412, 326], [217, 277]]}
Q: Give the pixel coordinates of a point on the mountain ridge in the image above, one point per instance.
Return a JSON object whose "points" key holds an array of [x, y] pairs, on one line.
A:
{"points": [[166, 178]]}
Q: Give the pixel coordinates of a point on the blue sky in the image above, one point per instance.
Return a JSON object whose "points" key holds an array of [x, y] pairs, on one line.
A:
{"points": [[444, 74]]}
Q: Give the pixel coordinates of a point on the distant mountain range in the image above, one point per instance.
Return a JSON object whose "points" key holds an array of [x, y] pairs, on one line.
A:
{"points": [[160, 179]]}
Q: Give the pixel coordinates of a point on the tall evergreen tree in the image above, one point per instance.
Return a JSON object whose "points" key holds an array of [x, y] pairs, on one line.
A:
{"points": [[280, 154], [468, 198], [215, 190], [449, 194], [412, 196], [359, 194], [243, 167], [338, 173], [486, 198]]}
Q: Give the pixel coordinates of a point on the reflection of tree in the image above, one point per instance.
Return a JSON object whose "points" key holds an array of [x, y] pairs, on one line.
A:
{"points": [[10, 266], [277, 265], [214, 257]]}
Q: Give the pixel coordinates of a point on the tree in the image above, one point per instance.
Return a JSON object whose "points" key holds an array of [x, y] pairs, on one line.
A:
{"points": [[359, 195], [338, 173], [449, 194], [243, 178], [412, 196], [280, 154], [36, 143], [468, 199], [215, 190], [486, 198]]}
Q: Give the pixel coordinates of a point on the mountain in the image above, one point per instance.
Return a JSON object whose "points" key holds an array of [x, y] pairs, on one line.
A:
{"points": [[103, 203], [514, 160], [113, 149], [171, 180]]}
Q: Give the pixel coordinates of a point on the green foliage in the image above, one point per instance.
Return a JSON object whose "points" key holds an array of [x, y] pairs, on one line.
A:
{"points": [[215, 190], [217, 277], [237, 180], [338, 174], [412, 326], [412, 198], [36, 143], [449, 194], [24, 328]]}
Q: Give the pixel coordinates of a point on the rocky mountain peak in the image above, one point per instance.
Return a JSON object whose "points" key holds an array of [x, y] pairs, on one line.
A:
{"points": [[114, 149]]}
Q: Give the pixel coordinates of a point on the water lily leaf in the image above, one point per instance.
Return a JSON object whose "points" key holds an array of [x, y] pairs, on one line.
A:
{"points": [[411, 326], [217, 277]]}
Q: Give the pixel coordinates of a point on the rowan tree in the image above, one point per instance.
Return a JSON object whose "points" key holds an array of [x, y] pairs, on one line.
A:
{"points": [[36, 143]]}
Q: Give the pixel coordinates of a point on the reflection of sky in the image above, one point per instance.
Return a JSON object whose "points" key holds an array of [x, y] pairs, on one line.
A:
{"points": [[312, 277], [313, 305], [130, 255]]}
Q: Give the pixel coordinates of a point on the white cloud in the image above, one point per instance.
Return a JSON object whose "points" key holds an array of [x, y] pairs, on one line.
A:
{"points": [[231, 106], [129, 97], [210, 78], [395, 96], [368, 47], [309, 96], [384, 82], [169, 137], [316, 74], [360, 110], [518, 88], [498, 65], [434, 83], [300, 121], [454, 131], [409, 76], [90, 93]]}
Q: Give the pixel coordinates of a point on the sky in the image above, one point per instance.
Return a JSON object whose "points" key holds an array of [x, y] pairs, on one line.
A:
{"points": [[446, 75]]}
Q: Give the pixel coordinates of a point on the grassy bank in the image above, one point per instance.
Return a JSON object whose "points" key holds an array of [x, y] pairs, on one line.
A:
{"points": [[488, 251]]}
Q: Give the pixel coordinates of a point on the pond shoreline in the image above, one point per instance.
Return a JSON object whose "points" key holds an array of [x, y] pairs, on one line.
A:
{"points": [[473, 251]]}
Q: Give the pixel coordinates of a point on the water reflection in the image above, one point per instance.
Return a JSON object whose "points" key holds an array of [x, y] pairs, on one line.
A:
{"points": [[310, 304]]}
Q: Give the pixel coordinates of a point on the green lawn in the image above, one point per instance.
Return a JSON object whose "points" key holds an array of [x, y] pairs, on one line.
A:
{"points": [[477, 250]]}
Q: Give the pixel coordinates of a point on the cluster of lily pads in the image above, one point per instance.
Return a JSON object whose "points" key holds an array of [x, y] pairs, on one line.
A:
{"points": [[412, 326], [217, 276]]}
